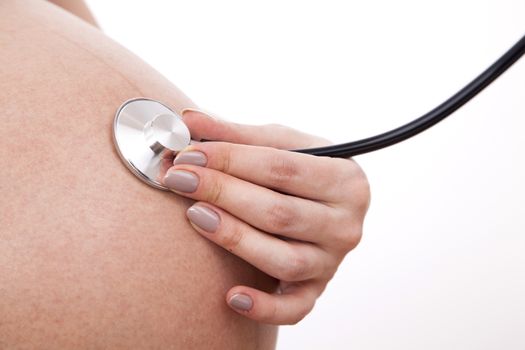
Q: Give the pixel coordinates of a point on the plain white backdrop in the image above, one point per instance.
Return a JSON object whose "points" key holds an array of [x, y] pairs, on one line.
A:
{"points": [[442, 263]]}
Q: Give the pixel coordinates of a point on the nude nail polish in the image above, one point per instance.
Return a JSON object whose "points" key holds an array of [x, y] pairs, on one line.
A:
{"points": [[203, 217], [191, 157], [241, 302], [181, 181]]}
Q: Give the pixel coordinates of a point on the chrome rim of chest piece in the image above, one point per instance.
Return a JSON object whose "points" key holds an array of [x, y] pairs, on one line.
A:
{"points": [[147, 136]]}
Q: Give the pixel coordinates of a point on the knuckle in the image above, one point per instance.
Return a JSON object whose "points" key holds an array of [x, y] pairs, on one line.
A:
{"points": [[346, 166], [214, 193], [353, 239], [231, 239], [295, 320], [282, 172], [355, 180], [281, 216], [225, 158], [362, 189], [344, 174], [348, 239], [295, 267], [299, 316]]}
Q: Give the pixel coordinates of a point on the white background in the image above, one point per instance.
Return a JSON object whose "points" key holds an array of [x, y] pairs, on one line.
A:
{"points": [[442, 263]]}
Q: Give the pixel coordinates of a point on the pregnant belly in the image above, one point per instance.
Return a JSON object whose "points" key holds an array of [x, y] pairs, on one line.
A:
{"points": [[90, 257]]}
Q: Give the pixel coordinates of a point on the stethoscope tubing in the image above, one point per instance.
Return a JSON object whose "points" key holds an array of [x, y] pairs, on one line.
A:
{"points": [[389, 138]]}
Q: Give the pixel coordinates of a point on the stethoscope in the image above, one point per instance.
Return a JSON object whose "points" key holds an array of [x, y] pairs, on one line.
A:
{"points": [[148, 134]]}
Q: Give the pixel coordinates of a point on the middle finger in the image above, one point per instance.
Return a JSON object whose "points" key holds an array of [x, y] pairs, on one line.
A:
{"points": [[261, 207], [317, 178]]}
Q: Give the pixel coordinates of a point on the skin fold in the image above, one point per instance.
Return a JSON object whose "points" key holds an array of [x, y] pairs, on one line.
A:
{"points": [[90, 257]]}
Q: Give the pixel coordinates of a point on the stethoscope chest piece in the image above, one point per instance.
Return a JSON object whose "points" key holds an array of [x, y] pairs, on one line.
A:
{"points": [[147, 136]]}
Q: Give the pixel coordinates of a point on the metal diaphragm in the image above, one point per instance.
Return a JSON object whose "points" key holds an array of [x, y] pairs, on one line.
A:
{"points": [[147, 136]]}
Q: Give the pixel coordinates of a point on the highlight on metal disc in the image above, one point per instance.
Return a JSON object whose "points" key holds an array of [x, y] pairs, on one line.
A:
{"points": [[147, 136]]}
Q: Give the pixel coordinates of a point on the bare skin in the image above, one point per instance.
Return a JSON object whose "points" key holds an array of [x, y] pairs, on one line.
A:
{"points": [[294, 216], [90, 257], [78, 8]]}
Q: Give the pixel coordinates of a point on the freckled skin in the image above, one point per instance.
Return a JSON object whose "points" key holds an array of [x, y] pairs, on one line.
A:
{"points": [[90, 257]]}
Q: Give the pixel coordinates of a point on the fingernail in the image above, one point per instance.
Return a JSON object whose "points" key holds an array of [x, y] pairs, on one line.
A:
{"points": [[182, 181], [201, 111], [191, 157], [241, 302], [203, 217]]}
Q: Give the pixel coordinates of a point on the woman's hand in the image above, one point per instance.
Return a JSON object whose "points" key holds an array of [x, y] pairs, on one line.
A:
{"points": [[293, 216]]}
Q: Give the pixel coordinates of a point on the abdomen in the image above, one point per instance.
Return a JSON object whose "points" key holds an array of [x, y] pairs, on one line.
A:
{"points": [[90, 257]]}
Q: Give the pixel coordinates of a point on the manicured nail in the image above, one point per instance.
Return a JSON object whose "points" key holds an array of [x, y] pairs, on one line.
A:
{"points": [[191, 157], [201, 111], [203, 217], [241, 302], [182, 181]]}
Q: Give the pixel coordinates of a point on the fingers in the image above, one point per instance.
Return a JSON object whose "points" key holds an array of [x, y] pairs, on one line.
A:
{"points": [[261, 207], [307, 176], [279, 309], [205, 127], [287, 261], [247, 190]]}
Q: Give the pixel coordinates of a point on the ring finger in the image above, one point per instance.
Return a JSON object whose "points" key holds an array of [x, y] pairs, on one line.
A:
{"points": [[287, 261]]}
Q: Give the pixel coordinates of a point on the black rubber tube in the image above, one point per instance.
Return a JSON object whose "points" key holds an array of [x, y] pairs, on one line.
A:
{"points": [[389, 138]]}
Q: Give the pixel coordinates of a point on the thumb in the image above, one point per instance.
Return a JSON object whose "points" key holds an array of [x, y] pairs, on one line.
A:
{"points": [[203, 126]]}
